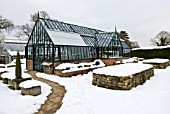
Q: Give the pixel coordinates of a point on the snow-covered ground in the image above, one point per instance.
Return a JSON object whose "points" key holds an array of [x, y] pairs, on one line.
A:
{"points": [[12, 102], [83, 98]]}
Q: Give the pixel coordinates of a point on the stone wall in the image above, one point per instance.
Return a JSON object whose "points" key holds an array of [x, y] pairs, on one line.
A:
{"points": [[159, 65], [48, 69], [29, 64], [70, 74], [34, 91], [122, 82]]}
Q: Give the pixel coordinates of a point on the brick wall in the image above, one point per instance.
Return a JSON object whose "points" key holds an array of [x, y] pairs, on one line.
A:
{"points": [[109, 62], [29, 65]]}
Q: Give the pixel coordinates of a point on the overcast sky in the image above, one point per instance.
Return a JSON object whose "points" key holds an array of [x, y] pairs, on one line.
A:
{"points": [[142, 19]]}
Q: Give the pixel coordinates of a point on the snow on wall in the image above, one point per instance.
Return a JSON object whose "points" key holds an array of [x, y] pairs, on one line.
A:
{"points": [[150, 48], [123, 69], [156, 60]]}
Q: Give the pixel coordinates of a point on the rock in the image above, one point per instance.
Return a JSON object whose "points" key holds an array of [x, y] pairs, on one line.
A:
{"points": [[34, 91]]}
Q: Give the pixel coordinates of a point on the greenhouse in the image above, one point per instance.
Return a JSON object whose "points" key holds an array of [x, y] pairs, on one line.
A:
{"points": [[9, 49], [54, 41]]}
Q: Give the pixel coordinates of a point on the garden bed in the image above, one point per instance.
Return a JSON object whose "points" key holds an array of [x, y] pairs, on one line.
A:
{"points": [[12, 81], [69, 69], [30, 87], [122, 77], [158, 63]]}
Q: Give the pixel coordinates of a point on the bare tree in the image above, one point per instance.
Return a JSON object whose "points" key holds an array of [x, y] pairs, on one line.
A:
{"points": [[5, 24], [25, 30], [161, 39], [41, 14]]}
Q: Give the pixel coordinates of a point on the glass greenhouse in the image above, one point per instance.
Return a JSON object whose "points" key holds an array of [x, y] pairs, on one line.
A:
{"points": [[9, 49], [55, 41]]}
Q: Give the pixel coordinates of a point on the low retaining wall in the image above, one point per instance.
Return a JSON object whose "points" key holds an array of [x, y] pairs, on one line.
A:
{"points": [[122, 82], [70, 74], [159, 65]]}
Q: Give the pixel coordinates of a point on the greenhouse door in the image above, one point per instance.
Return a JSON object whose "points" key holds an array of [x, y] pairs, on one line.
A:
{"points": [[38, 59]]}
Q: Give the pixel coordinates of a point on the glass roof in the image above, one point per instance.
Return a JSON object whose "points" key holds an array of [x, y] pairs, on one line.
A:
{"points": [[65, 38], [70, 34], [14, 46], [61, 26], [125, 46], [89, 40], [104, 39]]}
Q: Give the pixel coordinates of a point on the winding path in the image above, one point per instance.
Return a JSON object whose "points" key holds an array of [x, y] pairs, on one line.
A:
{"points": [[54, 99]]}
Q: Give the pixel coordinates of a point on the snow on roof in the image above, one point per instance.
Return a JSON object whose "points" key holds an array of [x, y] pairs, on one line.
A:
{"points": [[149, 48], [63, 38], [30, 83], [15, 41], [14, 53], [156, 60], [122, 69]]}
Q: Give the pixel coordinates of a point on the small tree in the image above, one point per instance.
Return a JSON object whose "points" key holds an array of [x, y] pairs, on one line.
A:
{"points": [[18, 72]]}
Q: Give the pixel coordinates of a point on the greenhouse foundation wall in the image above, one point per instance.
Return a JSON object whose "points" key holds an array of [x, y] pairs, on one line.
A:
{"points": [[51, 68]]}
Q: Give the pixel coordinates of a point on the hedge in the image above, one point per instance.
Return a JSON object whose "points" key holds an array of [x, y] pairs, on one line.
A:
{"points": [[152, 53]]}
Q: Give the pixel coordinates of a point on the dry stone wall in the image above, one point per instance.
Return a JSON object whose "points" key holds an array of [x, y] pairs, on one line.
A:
{"points": [[122, 82], [159, 65]]}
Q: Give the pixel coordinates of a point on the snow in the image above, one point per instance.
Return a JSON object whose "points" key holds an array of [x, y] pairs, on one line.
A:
{"points": [[12, 102], [130, 60], [65, 65], [150, 48], [15, 41], [12, 76], [23, 61], [156, 60], [14, 53], [84, 98], [64, 38], [30, 83], [3, 70], [46, 64], [123, 69]]}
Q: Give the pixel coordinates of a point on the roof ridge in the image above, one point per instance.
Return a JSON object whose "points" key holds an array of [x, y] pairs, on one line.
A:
{"points": [[96, 30]]}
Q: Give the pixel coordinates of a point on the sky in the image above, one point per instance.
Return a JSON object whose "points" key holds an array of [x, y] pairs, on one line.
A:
{"points": [[141, 19]]}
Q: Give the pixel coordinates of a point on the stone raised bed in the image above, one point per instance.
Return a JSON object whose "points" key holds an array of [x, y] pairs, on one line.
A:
{"points": [[12, 82], [158, 63], [69, 69], [73, 73], [30, 87], [122, 77]]}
